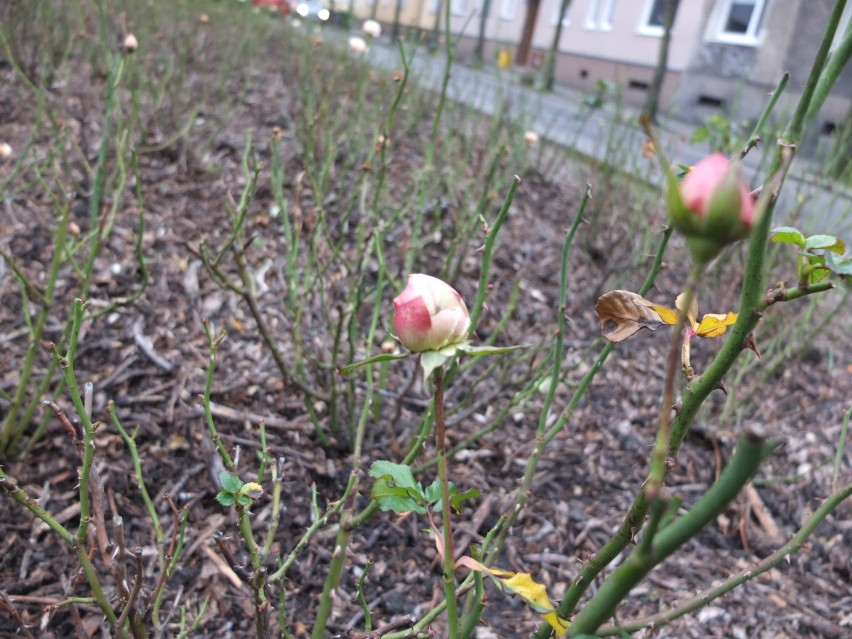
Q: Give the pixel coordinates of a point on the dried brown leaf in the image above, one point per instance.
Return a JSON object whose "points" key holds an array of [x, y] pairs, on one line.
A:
{"points": [[623, 313]]}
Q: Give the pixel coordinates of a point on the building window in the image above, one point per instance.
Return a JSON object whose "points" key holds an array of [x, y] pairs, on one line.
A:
{"points": [[842, 26], [507, 9], [600, 15], [654, 17], [740, 21], [565, 20]]}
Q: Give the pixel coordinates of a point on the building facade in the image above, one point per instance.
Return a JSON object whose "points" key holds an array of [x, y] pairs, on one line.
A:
{"points": [[724, 55]]}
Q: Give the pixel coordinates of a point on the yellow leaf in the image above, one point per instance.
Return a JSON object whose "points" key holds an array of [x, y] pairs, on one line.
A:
{"points": [[623, 313], [668, 315], [252, 489], [523, 585], [715, 324], [691, 312], [557, 623]]}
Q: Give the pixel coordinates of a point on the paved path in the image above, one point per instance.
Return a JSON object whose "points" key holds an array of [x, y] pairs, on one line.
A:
{"points": [[564, 118]]}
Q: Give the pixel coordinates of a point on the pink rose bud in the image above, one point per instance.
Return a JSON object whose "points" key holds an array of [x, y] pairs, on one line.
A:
{"points": [[130, 43], [429, 314], [712, 206]]}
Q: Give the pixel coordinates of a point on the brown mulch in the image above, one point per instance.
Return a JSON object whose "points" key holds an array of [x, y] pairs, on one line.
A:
{"points": [[150, 358]]}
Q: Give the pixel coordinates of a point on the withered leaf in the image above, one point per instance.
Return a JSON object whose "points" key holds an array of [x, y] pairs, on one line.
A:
{"points": [[624, 313]]}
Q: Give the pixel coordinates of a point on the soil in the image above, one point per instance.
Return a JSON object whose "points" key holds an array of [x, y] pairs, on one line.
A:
{"points": [[150, 356]]}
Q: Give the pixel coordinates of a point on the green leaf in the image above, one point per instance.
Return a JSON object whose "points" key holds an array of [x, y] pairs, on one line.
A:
{"points": [[787, 235], [243, 500], [700, 134], [400, 474], [457, 498], [433, 496], [226, 499], [433, 493], [826, 243], [396, 499], [839, 265], [230, 483], [385, 357]]}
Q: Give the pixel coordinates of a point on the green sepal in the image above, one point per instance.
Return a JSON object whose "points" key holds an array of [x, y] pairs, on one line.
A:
{"points": [[479, 351], [430, 361], [384, 357]]}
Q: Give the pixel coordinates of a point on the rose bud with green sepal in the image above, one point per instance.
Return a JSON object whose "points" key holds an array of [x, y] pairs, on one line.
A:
{"points": [[429, 314], [711, 207]]}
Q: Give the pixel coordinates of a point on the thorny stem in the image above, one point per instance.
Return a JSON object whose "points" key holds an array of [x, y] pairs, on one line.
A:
{"points": [[18, 494], [566, 414], [752, 449], [10, 427], [213, 343], [657, 474], [556, 366], [449, 577], [703, 598], [344, 533]]}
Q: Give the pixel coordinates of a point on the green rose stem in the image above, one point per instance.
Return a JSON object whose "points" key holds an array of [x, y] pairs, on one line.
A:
{"points": [[662, 445], [563, 419], [18, 494], [657, 545], [446, 525], [348, 520], [737, 579]]}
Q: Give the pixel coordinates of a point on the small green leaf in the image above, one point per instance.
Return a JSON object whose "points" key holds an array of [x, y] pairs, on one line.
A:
{"points": [[226, 499], [393, 498], [433, 492], [839, 265], [457, 499], [787, 235], [230, 483], [826, 243], [243, 500], [400, 474], [817, 275], [385, 357]]}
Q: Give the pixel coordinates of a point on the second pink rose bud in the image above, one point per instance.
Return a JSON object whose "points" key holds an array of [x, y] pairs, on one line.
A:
{"points": [[712, 206]]}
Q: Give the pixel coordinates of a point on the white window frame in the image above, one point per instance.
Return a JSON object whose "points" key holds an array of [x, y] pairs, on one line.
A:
{"points": [[458, 7], [752, 35], [600, 15], [647, 29], [508, 9], [566, 19], [842, 26]]}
